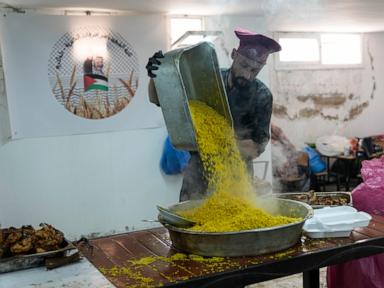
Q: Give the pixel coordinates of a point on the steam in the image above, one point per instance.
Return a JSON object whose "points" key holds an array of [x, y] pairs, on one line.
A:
{"points": [[288, 15], [285, 161]]}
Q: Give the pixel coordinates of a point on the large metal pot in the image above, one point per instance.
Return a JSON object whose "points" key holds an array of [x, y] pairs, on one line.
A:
{"points": [[242, 243], [190, 73]]}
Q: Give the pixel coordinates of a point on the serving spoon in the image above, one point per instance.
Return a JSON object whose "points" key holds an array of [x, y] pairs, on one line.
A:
{"points": [[173, 219]]}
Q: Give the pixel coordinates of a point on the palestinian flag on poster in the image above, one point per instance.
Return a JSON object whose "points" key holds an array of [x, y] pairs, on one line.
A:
{"points": [[95, 82]]}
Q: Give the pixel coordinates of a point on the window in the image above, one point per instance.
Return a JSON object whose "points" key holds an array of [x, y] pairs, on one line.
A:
{"points": [[313, 51], [340, 49], [180, 25], [299, 50], [187, 31]]}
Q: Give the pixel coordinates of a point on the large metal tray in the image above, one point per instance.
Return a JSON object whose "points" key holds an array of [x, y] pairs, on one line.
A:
{"points": [[242, 243], [190, 73], [21, 262], [307, 196]]}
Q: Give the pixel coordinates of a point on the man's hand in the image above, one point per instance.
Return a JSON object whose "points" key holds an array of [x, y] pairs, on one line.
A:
{"points": [[248, 148], [153, 63]]}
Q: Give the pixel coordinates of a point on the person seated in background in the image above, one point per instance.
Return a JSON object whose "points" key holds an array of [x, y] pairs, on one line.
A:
{"points": [[290, 167], [372, 147]]}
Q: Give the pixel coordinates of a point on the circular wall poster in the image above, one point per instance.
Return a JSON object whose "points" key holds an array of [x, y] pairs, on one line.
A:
{"points": [[93, 72]]}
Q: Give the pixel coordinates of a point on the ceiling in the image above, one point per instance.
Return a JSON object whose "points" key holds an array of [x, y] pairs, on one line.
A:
{"points": [[283, 15]]}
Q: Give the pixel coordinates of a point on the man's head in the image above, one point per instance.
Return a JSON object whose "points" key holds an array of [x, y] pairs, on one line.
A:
{"points": [[98, 62], [250, 57]]}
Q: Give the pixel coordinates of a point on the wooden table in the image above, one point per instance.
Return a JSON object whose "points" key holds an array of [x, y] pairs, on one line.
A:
{"points": [[111, 255]]}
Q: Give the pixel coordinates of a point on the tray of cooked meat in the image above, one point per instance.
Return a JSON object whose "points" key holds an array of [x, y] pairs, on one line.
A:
{"points": [[27, 247], [319, 199], [324, 199]]}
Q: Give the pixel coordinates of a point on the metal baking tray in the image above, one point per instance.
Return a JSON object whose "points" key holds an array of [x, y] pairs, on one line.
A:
{"points": [[20, 262], [305, 197], [346, 195], [246, 242], [190, 73], [296, 196]]}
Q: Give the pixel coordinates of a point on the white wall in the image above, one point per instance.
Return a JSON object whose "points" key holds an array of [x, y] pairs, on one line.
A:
{"points": [[103, 183], [371, 121], [346, 102], [5, 128], [100, 183]]}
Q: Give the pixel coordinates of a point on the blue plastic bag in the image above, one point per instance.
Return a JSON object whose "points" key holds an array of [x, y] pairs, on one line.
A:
{"points": [[316, 164], [173, 161]]}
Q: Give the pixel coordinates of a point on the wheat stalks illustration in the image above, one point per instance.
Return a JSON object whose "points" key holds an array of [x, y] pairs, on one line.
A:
{"points": [[128, 87], [115, 99], [130, 79], [71, 108], [87, 113], [107, 106], [73, 75], [121, 104], [97, 111], [60, 86], [54, 87], [70, 92], [98, 99], [72, 84]]}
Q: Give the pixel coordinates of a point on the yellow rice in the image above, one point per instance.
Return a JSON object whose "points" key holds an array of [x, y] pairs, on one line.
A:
{"points": [[231, 205]]}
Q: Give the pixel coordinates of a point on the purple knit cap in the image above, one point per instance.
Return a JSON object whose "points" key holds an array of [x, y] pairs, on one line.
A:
{"points": [[249, 42]]}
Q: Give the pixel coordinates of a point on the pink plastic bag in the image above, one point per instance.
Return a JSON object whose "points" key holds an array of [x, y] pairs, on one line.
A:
{"points": [[368, 197], [363, 273]]}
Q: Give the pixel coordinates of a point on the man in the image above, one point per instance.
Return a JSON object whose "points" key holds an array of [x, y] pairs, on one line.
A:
{"points": [[98, 65], [250, 102]]}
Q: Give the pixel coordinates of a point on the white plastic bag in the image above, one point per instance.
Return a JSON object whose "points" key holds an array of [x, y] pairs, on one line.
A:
{"points": [[331, 145]]}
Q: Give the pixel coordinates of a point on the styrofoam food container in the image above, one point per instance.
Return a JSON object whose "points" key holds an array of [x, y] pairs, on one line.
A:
{"points": [[329, 211], [327, 234], [345, 221], [334, 210], [335, 222]]}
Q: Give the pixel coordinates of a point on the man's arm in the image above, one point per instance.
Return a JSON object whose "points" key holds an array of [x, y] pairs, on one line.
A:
{"points": [[260, 125], [153, 98]]}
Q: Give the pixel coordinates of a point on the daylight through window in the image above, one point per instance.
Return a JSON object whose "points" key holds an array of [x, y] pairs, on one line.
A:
{"points": [[316, 50], [180, 25]]}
